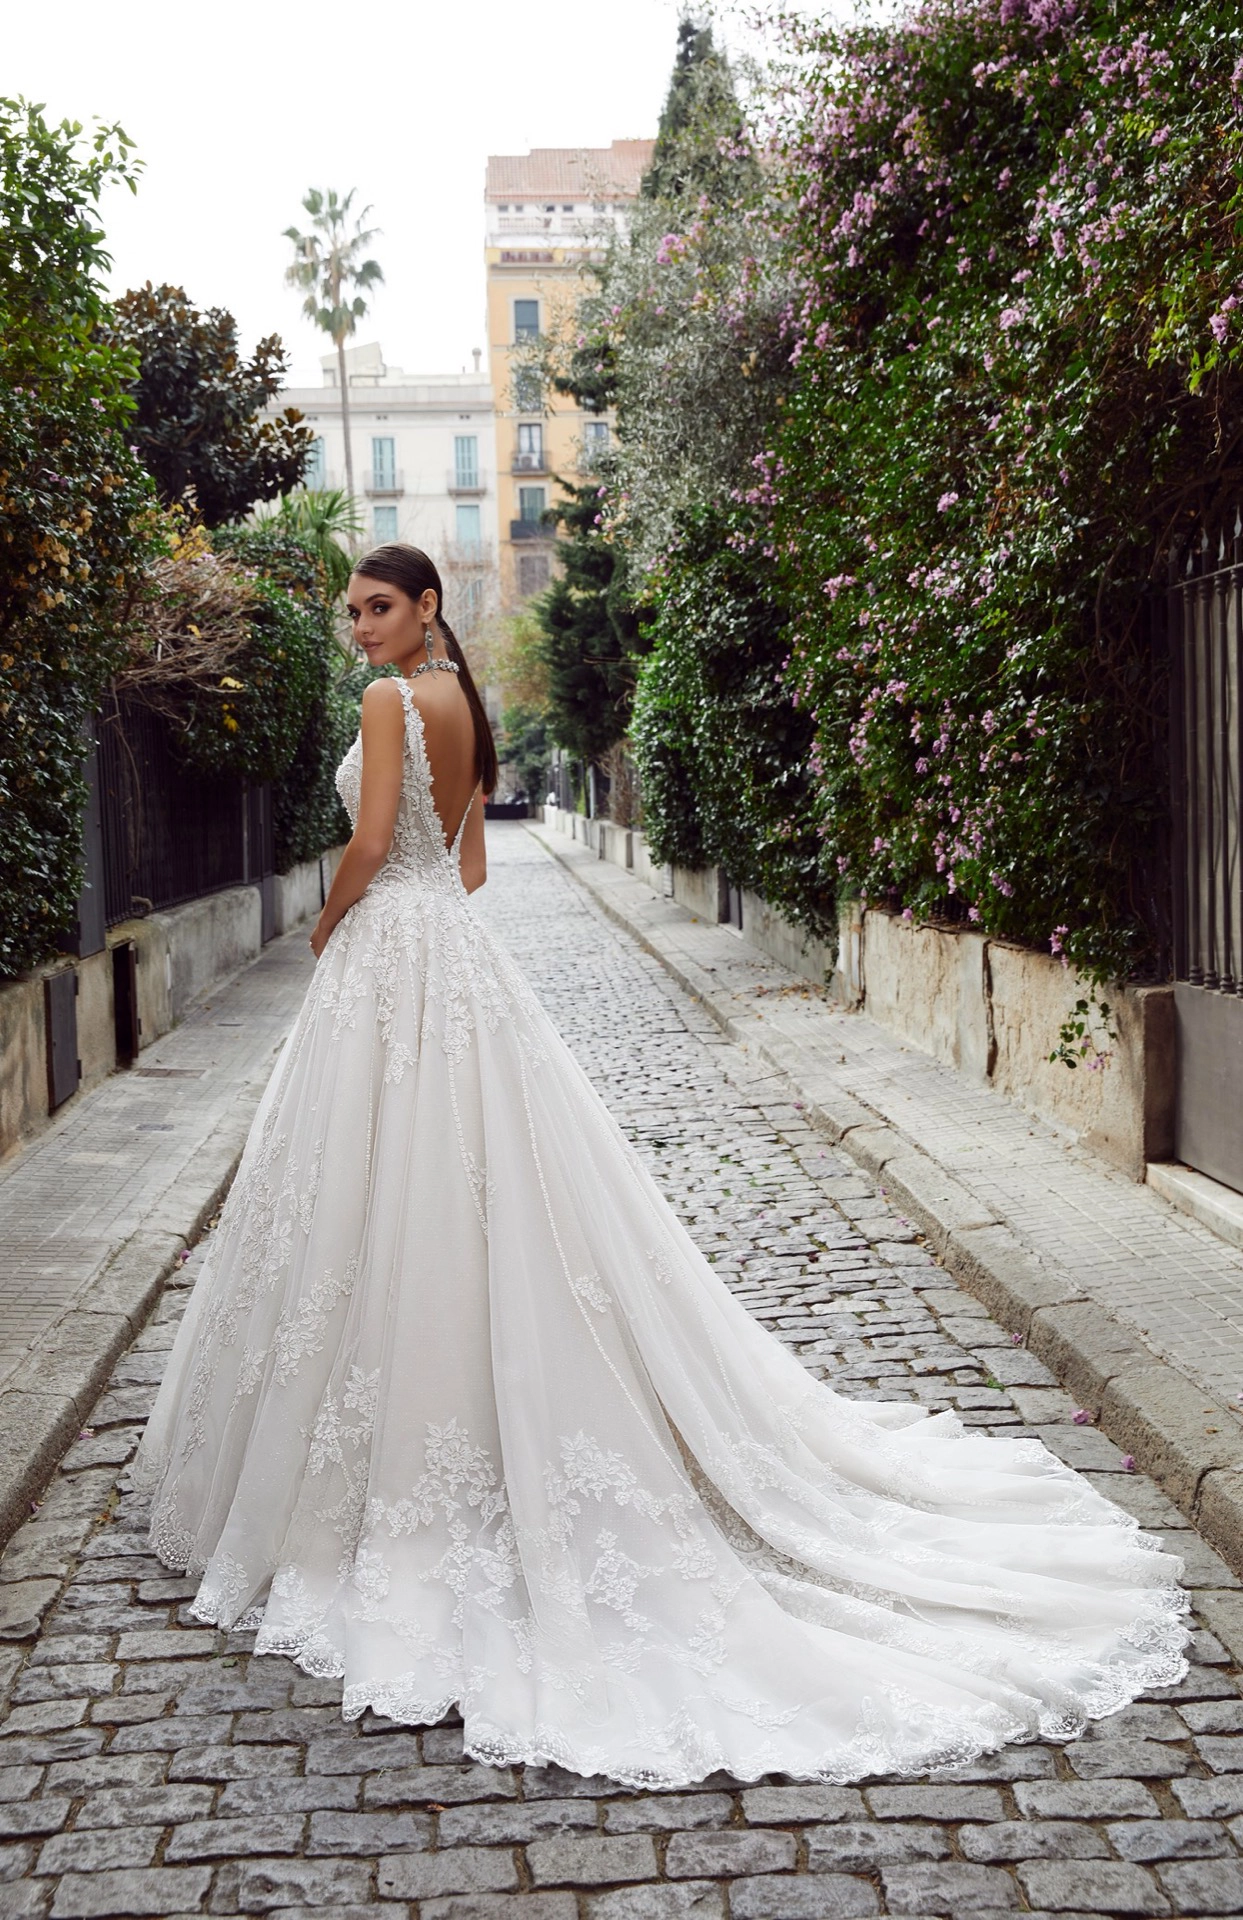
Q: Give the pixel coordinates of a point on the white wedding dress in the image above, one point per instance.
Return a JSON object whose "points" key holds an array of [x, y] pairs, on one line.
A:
{"points": [[459, 1413]]}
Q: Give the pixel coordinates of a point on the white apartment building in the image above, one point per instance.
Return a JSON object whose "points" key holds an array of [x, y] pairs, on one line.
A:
{"points": [[424, 450]]}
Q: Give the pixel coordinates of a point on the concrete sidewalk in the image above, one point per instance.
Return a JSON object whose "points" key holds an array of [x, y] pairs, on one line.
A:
{"points": [[96, 1212], [1133, 1305]]}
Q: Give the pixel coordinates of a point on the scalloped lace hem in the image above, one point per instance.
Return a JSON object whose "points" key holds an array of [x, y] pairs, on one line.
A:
{"points": [[1152, 1655]]}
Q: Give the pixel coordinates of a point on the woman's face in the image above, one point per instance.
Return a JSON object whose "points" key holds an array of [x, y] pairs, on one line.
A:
{"points": [[389, 626]]}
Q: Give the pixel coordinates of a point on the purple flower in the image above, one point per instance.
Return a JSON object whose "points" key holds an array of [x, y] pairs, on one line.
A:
{"points": [[1082, 1418], [1128, 1463], [947, 501]]}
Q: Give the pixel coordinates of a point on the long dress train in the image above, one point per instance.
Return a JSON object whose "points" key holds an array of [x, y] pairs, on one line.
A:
{"points": [[458, 1404]]}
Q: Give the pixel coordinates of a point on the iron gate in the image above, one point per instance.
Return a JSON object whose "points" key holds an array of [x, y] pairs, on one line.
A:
{"points": [[1206, 604]]}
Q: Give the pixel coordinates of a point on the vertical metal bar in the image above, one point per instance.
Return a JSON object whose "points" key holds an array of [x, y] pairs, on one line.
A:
{"points": [[1193, 696], [1236, 769], [1208, 747], [1224, 835], [1176, 600]]}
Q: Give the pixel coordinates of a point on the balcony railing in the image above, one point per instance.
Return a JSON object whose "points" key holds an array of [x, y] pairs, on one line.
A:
{"points": [[385, 480], [529, 530], [467, 480], [530, 463]]}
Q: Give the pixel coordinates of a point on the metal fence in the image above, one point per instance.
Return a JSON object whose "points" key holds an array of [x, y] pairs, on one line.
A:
{"points": [[1207, 752], [170, 833]]}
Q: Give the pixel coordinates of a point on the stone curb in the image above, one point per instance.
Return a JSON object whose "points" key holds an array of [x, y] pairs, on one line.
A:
{"points": [[47, 1399], [1178, 1433]]}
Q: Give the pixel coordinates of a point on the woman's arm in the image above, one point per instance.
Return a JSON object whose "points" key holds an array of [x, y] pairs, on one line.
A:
{"points": [[384, 741], [473, 859]]}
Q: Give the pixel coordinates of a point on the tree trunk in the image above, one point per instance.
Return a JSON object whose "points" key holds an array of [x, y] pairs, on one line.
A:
{"points": [[345, 417]]}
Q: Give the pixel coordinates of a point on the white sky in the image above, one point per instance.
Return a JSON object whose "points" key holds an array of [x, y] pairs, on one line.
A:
{"points": [[238, 107]]}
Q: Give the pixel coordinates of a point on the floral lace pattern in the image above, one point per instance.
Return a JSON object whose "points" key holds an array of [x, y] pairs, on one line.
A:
{"points": [[459, 1414]]}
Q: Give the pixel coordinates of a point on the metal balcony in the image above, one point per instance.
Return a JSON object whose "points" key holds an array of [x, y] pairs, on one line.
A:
{"points": [[463, 480], [387, 482], [530, 530], [529, 463]]}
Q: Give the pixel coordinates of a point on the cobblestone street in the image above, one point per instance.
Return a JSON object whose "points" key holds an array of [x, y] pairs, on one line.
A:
{"points": [[150, 1767]]}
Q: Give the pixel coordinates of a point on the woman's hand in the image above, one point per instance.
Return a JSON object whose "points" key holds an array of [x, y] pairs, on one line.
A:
{"points": [[319, 936]]}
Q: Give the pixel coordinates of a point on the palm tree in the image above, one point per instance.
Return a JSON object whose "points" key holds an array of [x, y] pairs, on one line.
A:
{"points": [[329, 268], [328, 521]]}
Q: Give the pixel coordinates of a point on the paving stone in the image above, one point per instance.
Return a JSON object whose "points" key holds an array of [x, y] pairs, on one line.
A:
{"points": [[1109, 1886], [235, 1839], [1210, 1799], [804, 1896], [18, 1783], [1148, 1840], [582, 1861], [668, 1811], [936, 1803], [783, 1806], [22, 1817], [169, 1643], [151, 1806], [422, 1876], [99, 1849], [155, 1891], [232, 1763], [288, 1794], [862, 1849], [506, 1823], [105, 1770], [1205, 1887], [61, 1682], [714, 1856], [45, 1716], [338, 1754], [945, 1887], [265, 1885], [1012, 1763], [691, 1900], [1220, 1752], [439, 1785], [368, 1833], [1133, 1759], [1031, 1840], [1088, 1799], [1214, 1716], [159, 1735]]}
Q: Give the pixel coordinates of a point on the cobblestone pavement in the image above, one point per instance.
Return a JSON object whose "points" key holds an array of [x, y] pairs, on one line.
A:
{"points": [[151, 1767]]}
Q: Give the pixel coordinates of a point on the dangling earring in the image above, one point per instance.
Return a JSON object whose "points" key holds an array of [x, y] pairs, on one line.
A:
{"points": [[430, 639]]}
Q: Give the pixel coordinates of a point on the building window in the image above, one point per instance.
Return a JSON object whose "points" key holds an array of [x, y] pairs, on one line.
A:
{"points": [[504, 208], [530, 447], [466, 460], [527, 391], [595, 441], [384, 523], [531, 503], [315, 473], [532, 573], [567, 209], [526, 319], [383, 461], [469, 528]]}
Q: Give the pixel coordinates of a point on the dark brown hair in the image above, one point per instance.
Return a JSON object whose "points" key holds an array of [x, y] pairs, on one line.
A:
{"points": [[410, 569]]}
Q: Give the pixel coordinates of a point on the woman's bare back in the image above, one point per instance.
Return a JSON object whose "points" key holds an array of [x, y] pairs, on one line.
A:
{"points": [[452, 752]]}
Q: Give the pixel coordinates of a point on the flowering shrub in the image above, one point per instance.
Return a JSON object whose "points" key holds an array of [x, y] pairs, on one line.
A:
{"points": [[1017, 231], [934, 397]]}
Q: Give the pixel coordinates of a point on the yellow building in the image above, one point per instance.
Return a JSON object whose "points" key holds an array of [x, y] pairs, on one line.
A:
{"points": [[546, 213]]}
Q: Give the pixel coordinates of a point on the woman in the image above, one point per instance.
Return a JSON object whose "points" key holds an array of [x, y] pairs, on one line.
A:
{"points": [[459, 1413]]}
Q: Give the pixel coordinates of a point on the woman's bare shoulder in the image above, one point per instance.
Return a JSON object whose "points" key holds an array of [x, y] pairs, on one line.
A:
{"points": [[382, 695]]}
